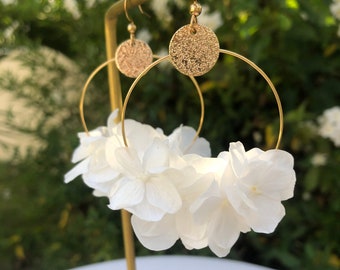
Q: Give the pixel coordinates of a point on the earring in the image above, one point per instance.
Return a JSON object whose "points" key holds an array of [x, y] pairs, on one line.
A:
{"points": [[133, 55], [220, 197], [171, 184]]}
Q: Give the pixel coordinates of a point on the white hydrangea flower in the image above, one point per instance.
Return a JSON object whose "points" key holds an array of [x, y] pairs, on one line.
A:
{"points": [[90, 154], [247, 193], [148, 187], [175, 190], [213, 209], [162, 234], [329, 125], [92, 166], [256, 182], [198, 222], [224, 224]]}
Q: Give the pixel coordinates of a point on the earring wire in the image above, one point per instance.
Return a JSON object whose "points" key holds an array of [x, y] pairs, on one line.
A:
{"points": [[132, 27], [127, 14]]}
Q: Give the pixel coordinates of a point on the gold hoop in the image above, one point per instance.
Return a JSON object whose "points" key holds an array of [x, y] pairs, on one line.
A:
{"points": [[271, 85], [83, 92], [104, 64], [241, 57], [146, 70]]}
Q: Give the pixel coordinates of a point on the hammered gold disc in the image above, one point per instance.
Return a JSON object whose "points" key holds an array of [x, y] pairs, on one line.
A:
{"points": [[133, 57], [194, 49]]}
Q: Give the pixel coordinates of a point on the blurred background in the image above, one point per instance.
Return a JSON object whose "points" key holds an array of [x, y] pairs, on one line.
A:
{"points": [[49, 47]]}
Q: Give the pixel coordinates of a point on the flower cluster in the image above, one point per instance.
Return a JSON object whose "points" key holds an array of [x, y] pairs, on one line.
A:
{"points": [[329, 125], [175, 190]]}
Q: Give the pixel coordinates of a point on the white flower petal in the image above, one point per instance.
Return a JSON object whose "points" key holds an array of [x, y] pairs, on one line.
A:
{"points": [[100, 175], [77, 170], [192, 235], [98, 159], [80, 153], [204, 206], [207, 165], [278, 184], [224, 155], [239, 199], [271, 178], [201, 147], [101, 189], [98, 193], [223, 230], [128, 162], [238, 158], [182, 141], [139, 136], [112, 143], [126, 193], [254, 153], [161, 193], [183, 178], [156, 158], [145, 211], [93, 135], [158, 235], [269, 213], [285, 177], [112, 121], [89, 142]]}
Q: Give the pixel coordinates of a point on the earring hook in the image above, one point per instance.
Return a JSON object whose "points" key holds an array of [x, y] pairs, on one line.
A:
{"points": [[141, 10], [132, 27], [127, 14]]}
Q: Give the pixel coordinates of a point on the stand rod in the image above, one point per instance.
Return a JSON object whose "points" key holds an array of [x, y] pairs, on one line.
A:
{"points": [[111, 18]]}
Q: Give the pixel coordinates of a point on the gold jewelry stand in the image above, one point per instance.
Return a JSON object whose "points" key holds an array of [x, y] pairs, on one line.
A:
{"points": [[111, 18]]}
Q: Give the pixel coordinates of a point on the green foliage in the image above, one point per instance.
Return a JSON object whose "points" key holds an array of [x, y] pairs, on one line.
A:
{"points": [[48, 225]]}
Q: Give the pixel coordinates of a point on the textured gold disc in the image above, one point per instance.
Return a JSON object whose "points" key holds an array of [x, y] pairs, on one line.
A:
{"points": [[194, 49], [133, 57]]}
